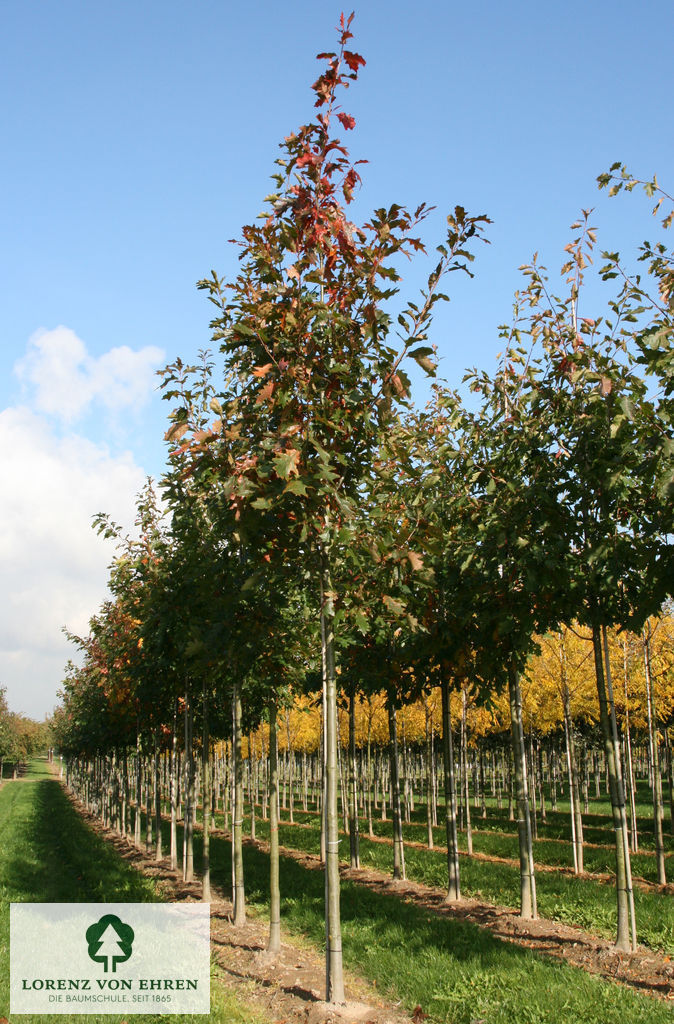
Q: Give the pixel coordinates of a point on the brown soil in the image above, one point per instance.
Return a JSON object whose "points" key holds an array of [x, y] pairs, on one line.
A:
{"points": [[289, 987]]}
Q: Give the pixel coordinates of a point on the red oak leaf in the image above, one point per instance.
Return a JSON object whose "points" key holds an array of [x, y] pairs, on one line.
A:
{"points": [[347, 121], [354, 60]]}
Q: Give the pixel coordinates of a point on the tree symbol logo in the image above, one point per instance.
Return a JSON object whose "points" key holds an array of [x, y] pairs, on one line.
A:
{"points": [[110, 941]]}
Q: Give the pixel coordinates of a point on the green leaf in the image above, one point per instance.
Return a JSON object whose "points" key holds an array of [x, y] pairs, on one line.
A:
{"points": [[296, 487], [285, 463], [361, 622]]}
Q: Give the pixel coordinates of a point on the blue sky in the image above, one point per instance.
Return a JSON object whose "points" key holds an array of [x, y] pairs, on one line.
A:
{"points": [[139, 137]]}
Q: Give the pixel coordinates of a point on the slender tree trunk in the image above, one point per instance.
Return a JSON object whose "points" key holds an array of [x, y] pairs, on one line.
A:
{"points": [[147, 771], [354, 838], [157, 796], [574, 795], [429, 776], [334, 977], [532, 787], [324, 776], [188, 813], [511, 802], [252, 763], [670, 778], [527, 877], [617, 794], [342, 782], [290, 762], [370, 779], [265, 780], [205, 800], [634, 832], [398, 846], [453, 871], [139, 788], [464, 773], [541, 782], [239, 897], [274, 944], [174, 788], [124, 795], [658, 811]]}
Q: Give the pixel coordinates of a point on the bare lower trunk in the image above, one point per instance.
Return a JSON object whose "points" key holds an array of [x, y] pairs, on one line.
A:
{"points": [[617, 794], [334, 976], [370, 779], [239, 896], [274, 944], [157, 797], [354, 837], [188, 810], [205, 801], [634, 831], [658, 811], [173, 788], [574, 795], [429, 776], [398, 846], [453, 872], [670, 778], [528, 907], [139, 790], [464, 774]]}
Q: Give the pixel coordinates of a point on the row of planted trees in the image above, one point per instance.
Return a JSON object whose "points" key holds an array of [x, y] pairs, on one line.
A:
{"points": [[565, 761], [20, 738], [318, 534]]}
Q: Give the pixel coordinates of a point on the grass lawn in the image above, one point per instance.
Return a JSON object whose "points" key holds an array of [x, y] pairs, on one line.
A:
{"points": [[47, 854]]}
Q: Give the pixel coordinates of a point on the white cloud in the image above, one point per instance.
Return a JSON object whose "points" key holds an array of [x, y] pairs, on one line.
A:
{"points": [[52, 564], [67, 382]]}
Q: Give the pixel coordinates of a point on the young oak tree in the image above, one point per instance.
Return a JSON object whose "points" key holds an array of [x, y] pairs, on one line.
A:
{"points": [[312, 374], [614, 464]]}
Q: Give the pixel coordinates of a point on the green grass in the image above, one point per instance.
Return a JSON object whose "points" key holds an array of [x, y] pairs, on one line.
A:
{"points": [[493, 840], [457, 972], [48, 854], [561, 897]]}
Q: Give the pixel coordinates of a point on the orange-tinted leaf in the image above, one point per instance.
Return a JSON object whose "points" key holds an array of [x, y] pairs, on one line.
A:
{"points": [[393, 605], [347, 121], [266, 393], [415, 560], [173, 433]]}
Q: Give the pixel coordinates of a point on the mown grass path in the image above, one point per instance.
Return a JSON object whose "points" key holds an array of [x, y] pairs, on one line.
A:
{"points": [[48, 854]]}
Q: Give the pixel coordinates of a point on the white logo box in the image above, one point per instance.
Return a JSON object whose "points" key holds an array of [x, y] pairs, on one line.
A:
{"points": [[119, 958]]}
